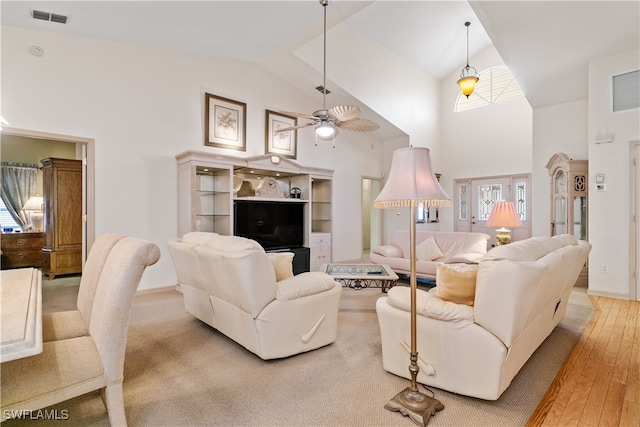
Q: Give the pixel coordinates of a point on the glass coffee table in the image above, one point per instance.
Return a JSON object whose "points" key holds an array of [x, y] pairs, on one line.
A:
{"points": [[359, 276]]}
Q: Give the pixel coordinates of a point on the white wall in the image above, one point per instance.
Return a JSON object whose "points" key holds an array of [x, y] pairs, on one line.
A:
{"points": [[556, 129], [610, 210], [491, 140], [145, 105]]}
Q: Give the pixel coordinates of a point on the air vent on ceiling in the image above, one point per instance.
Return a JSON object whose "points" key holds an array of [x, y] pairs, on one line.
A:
{"points": [[321, 89], [46, 16]]}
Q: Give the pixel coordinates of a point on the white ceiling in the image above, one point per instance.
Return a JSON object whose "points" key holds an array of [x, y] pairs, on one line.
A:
{"points": [[546, 44]]}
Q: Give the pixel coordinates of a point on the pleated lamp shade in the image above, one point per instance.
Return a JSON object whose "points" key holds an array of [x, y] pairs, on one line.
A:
{"points": [[412, 181], [503, 214]]}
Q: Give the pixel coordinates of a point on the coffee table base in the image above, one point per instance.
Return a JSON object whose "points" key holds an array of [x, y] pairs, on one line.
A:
{"points": [[361, 276]]}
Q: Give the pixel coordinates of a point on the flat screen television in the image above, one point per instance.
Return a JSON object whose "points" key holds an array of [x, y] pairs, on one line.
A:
{"points": [[275, 225]]}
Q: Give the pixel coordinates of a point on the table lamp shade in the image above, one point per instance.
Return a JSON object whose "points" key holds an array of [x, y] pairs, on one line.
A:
{"points": [[411, 181], [503, 214], [34, 204]]}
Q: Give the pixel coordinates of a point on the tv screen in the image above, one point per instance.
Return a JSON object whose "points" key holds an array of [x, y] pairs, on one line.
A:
{"points": [[275, 225]]}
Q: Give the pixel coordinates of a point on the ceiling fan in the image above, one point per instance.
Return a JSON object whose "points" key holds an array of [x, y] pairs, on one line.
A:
{"points": [[328, 121]]}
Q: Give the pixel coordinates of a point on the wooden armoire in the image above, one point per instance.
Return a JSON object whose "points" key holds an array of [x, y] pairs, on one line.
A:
{"points": [[62, 193]]}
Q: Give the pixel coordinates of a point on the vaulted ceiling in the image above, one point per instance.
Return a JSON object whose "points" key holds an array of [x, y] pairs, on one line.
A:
{"points": [[546, 44]]}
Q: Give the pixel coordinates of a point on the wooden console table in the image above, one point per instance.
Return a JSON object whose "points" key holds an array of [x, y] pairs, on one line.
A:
{"points": [[20, 313]]}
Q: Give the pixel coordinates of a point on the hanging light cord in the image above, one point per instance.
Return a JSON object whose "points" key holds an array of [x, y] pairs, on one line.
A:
{"points": [[466, 24]]}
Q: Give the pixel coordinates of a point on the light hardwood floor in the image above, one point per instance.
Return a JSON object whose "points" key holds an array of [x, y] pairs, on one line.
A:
{"points": [[599, 385]]}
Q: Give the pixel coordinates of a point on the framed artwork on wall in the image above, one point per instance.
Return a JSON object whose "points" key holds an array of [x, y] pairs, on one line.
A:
{"points": [[280, 143], [225, 123]]}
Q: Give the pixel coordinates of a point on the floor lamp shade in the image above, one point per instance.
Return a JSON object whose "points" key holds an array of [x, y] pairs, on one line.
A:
{"points": [[412, 181]]}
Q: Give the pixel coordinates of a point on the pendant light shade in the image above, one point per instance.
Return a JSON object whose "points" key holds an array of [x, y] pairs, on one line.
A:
{"points": [[469, 76]]}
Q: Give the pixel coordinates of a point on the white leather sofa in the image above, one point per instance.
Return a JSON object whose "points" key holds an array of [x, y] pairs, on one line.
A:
{"points": [[252, 297], [521, 294], [453, 247]]}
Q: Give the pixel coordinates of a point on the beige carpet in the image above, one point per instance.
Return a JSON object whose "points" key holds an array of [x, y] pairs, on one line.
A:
{"points": [[181, 372]]}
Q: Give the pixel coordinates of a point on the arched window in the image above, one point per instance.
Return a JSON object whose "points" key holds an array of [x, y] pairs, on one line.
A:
{"points": [[496, 84]]}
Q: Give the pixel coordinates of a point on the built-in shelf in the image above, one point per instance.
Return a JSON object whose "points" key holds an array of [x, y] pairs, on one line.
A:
{"points": [[206, 193]]}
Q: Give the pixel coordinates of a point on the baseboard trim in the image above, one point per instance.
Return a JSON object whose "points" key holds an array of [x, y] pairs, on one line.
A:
{"points": [[608, 295], [158, 290]]}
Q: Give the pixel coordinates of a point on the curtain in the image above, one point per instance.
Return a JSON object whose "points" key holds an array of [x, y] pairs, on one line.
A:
{"points": [[17, 185]]}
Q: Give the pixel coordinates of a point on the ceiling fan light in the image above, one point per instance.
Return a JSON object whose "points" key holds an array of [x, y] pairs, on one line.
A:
{"points": [[326, 131]]}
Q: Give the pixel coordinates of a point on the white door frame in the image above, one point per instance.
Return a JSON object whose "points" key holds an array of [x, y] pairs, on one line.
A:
{"points": [[634, 218], [87, 147]]}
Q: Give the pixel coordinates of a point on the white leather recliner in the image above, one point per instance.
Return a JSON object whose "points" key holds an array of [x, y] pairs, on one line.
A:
{"points": [[252, 297]]}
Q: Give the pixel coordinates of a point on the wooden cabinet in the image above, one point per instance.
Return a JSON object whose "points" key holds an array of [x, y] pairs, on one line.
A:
{"points": [[569, 193], [208, 185], [62, 193], [21, 250]]}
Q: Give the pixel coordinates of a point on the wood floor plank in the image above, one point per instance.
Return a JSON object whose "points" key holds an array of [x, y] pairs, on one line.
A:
{"points": [[599, 385], [612, 409], [621, 369], [632, 392], [630, 416]]}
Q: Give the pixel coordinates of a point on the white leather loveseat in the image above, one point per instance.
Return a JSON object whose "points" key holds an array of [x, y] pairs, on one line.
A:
{"points": [[521, 294], [433, 248], [252, 297]]}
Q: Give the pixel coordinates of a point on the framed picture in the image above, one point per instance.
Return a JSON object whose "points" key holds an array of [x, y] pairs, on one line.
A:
{"points": [[280, 143], [225, 123]]}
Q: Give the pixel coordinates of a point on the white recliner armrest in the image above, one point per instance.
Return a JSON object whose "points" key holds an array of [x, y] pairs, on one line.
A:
{"points": [[304, 284]]}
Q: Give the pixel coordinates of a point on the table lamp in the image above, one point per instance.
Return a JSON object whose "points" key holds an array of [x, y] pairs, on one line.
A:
{"points": [[503, 214], [34, 204], [412, 181]]}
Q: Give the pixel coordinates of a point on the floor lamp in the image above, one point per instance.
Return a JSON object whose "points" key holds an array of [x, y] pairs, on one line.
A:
{"points": [[412, 181]]}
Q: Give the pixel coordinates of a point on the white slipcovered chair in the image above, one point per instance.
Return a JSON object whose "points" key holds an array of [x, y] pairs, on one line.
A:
{"points": [[71, 367], [252, 297]]}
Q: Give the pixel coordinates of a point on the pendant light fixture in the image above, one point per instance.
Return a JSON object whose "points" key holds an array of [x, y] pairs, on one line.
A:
{"points": [[468, 78]]}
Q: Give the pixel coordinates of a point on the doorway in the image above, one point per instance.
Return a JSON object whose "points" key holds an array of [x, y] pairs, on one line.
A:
{"points": [[371, 221], [85, 150], [474, 198]]}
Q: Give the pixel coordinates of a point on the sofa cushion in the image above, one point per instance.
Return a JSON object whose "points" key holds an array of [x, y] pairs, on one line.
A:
{"points": [[428, 250], [390, 251], [282, 264], [429, 305], [304, 284], [456, 282]]}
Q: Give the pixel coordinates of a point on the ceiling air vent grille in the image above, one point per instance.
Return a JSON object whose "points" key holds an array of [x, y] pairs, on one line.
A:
{"points": [[46, 16], [321, 89]]}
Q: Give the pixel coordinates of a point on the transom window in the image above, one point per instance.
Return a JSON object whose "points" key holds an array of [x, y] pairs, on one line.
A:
{"points": [[496, 84]]}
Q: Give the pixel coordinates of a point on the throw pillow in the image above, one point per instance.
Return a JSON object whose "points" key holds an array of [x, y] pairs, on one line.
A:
{"points": [[282, 264], [456, 282], [428, 250]]}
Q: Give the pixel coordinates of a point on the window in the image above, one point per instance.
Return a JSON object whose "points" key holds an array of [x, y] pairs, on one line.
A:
{"points": [[6, 220], [626, 91], [496, 84]]}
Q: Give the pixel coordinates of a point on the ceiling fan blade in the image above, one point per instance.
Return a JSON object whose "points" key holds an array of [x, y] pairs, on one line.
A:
{"points": [[359, 125], [302, 115], [342, 113], [294, 127]]}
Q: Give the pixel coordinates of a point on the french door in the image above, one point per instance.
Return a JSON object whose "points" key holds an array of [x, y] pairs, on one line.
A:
{"points": [[474, 199]]}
